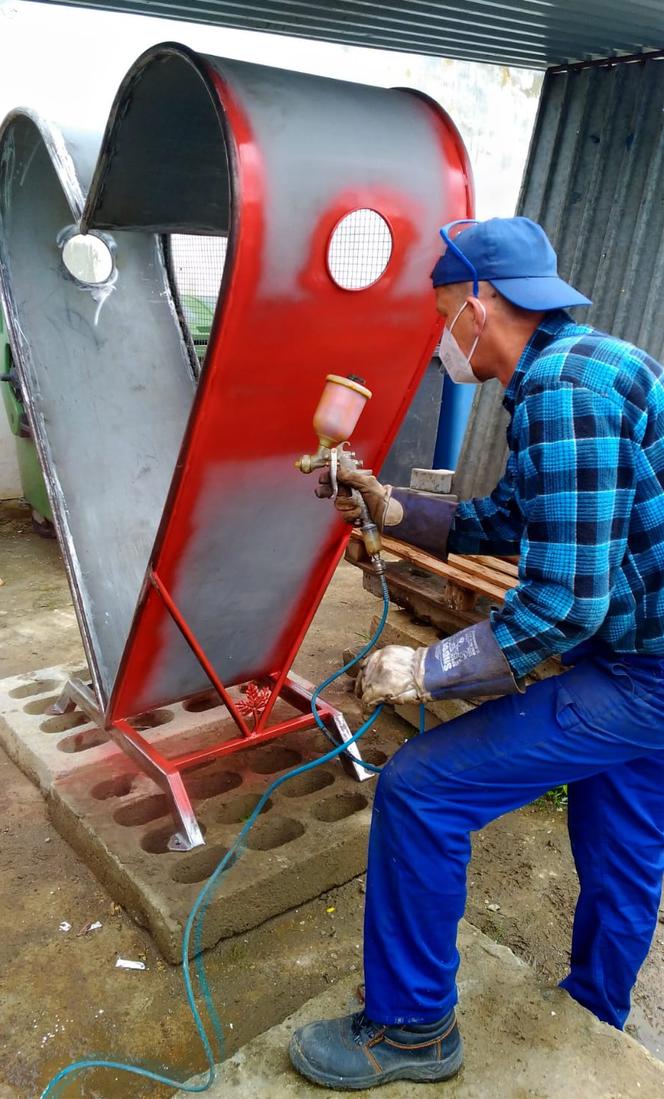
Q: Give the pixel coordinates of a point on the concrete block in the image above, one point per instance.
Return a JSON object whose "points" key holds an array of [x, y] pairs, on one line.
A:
{"points": [[521, 1039], [311, 837], [47, 747], [432, 480]]}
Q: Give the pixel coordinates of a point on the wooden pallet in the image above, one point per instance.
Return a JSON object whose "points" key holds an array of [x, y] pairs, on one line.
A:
{"points": [[447, 595], [465, 579]]}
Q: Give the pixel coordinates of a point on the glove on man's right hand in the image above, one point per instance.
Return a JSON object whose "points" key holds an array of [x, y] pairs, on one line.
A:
{"points": [[384, 511]]}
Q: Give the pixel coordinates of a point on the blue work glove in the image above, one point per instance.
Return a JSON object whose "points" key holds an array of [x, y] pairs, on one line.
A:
{"points": [[468, 664], [425, 522]]}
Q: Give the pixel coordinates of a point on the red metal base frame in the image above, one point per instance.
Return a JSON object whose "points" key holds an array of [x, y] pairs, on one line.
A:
{"points": [[259, 701], [167, 773]]}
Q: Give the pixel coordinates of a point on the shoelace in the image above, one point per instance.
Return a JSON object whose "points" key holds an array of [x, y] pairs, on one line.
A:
{"points": [[363, 1028]]}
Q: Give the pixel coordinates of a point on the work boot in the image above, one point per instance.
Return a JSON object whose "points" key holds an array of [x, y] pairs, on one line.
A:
{"points": [[353, 1052]]}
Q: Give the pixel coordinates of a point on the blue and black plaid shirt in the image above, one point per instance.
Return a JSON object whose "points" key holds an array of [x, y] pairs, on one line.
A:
{"points": [[582, 499]]}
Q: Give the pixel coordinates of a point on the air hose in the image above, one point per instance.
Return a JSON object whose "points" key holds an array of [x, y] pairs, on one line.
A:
{"points": [[193, 931]]}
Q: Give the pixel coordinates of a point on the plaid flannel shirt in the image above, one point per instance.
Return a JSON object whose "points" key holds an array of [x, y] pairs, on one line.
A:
{"points": [[582, 498]]}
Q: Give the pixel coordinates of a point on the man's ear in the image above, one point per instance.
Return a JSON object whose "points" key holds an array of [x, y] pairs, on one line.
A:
{"points": [[479, 313]]}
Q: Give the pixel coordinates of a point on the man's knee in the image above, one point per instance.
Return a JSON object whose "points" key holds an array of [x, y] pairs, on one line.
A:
{"points": [[407, 780]]}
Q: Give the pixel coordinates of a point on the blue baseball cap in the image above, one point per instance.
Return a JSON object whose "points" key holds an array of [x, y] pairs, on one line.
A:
{"points": [[514, 255]]}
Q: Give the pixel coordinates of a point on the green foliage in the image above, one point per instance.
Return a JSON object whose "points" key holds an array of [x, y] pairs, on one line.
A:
{"points": [[556, 797]]}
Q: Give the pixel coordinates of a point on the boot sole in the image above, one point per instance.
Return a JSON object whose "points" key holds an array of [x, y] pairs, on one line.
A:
{"points": [[419, 1074]]}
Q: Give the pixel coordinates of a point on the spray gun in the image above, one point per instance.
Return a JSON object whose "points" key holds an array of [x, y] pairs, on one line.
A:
{"points": [[339, 408]]}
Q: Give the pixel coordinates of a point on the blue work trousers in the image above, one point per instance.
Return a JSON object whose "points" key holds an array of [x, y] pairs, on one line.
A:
{"points": [[599, 728]]}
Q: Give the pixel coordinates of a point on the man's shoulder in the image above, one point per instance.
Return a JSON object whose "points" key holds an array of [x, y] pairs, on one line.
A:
{"points": [[585, 358]]}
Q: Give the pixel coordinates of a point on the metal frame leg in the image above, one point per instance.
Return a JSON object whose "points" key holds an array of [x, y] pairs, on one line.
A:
{"points": [[353, 765], [167, 773], [168, 777], [77, 693]]}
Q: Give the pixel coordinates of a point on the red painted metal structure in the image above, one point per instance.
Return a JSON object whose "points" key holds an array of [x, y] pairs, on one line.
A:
{"points": [[244, 551]]}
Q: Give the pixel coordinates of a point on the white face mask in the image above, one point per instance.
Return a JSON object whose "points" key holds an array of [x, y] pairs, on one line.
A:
{"points": [[456, 364]]}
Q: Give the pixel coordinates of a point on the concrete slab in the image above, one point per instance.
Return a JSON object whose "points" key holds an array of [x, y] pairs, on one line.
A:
{"points": [[433, 480], [313, 836], [522, 1041]]}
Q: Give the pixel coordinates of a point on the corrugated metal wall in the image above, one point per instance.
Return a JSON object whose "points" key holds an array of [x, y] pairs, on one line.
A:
{"points": [[595, 180]]}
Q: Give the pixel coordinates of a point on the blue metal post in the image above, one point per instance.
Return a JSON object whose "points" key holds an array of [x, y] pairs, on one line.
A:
{"points": [[455, 408]]}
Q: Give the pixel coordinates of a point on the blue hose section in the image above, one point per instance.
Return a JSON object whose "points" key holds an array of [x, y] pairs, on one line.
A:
{"points": [[195, 920]]}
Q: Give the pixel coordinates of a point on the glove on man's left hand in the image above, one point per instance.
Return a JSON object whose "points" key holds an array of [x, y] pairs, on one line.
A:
{"points": [[389, 675], [468, 664]]}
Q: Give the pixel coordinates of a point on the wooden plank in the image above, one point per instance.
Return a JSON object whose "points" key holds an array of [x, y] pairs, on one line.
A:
{"points": [[486, 575], [483, 571], [425, 597], [483, 584], [500, 564]]}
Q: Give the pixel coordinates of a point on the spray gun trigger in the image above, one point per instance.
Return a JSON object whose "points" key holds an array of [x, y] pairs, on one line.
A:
{"points": [[334, 465]]}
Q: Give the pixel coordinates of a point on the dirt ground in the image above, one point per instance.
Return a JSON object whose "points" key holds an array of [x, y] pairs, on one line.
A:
{"points": [[61, 996]]}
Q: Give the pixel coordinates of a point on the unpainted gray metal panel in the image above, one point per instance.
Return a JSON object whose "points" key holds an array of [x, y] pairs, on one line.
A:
{"points": [[108, 388]]}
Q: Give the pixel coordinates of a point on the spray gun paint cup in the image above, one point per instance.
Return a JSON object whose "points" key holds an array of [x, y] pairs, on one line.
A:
{"points": [[339, 409]]}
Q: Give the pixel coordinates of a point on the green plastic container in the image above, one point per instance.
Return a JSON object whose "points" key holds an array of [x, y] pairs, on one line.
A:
{"points": [[32, 478], [199, 314]]}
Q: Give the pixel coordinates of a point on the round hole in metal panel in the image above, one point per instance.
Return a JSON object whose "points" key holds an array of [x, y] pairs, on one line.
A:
{"points": [[238, 809], [275, 832], [267, 761], [88, 258], [36, 687], [308, 783], [359, 249], [340, 807], [62, 722]]}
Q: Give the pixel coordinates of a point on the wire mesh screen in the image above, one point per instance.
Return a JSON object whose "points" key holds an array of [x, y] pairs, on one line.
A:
{"points": [[359, 250], [358, 253], [197, 264]]}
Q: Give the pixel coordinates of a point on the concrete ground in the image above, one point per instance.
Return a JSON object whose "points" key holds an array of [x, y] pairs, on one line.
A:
{"points": [[62, 996], [541, 1043]]}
